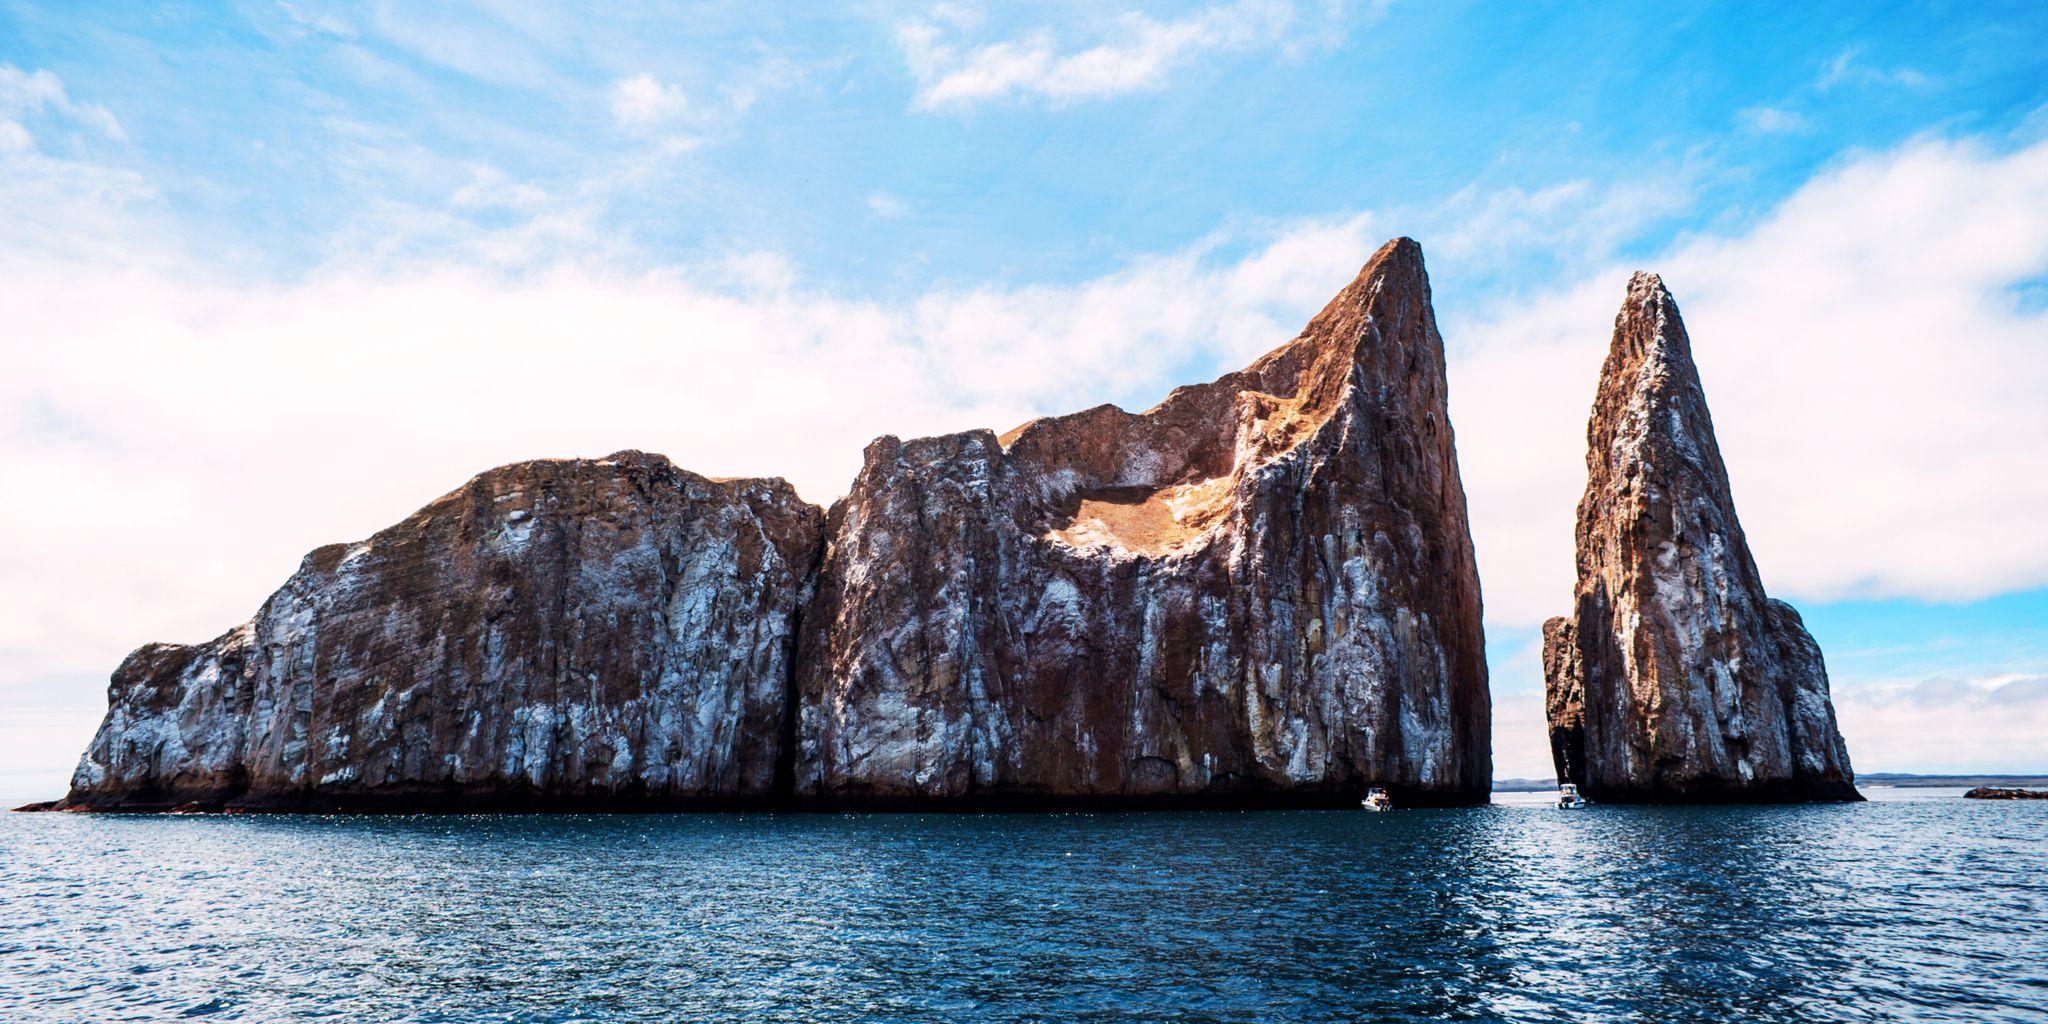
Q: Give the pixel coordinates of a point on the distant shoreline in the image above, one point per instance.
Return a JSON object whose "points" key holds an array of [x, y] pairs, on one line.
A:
{"points": [[1893, 780]]}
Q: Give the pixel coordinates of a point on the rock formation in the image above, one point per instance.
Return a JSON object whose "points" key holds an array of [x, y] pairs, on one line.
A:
{"points": [[1260, 592], [558, 633], [1677, 679]]}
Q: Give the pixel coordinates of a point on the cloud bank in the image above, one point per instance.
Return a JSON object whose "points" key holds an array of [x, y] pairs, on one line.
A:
{"points": [[1918, 723]]}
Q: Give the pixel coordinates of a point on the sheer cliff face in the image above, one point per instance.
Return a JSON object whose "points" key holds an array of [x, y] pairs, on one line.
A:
{"points": [[1677, 679], [1260, 590], [575, 631]]}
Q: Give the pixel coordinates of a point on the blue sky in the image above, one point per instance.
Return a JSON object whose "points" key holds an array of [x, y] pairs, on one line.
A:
{"points": [[277, 130], [280, 272]]}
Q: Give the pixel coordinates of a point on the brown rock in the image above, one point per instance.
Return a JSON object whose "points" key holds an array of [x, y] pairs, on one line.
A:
{"points": [[552, 633], [1677, 679], [1261, 590]]}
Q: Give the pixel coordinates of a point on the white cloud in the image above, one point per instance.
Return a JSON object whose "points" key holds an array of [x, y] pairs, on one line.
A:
{"points": [[1772, 120], [887, 206], [30, 92], [1132, 52], [643, 101]]}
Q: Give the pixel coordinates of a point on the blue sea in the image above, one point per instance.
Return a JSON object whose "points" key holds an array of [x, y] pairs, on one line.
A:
{"points": [[1917, 906]]}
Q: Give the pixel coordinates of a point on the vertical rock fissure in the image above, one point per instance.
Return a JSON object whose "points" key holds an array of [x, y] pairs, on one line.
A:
{"points": [[783, 787]]}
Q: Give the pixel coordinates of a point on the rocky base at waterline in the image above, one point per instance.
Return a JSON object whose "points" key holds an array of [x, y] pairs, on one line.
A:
{"points": [[1259, 593], [1992, 793], [1677, 679]]}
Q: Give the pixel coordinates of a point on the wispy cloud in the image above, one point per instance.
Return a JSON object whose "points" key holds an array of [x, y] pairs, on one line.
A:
{"points": [[1130, 52], [1574, 222], [505, 44], [1847, 68], [23, 93], [887, 206], [489, 188], [56, 206]]}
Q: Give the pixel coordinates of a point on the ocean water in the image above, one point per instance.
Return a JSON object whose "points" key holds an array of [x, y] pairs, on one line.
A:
{"points": [[1917, 906]]}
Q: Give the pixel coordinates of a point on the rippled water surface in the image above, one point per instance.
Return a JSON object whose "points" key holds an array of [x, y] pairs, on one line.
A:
{"points": [[1916, 906]]}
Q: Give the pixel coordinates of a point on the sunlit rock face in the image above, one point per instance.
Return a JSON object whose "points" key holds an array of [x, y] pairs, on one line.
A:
{"points": [[1260, 591], [560, 632], [1677, 679]]}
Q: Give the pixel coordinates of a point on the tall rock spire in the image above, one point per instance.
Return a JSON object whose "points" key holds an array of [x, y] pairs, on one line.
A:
{"points": [[1677, 679]]}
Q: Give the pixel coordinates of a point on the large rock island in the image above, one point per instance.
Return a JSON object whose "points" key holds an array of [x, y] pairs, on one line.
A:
{"points": [[1260, 592], [1677, 680]]}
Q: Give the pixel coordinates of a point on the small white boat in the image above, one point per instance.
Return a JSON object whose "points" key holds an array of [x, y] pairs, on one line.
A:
{"points": [[1568, 797], [1376, 799]]}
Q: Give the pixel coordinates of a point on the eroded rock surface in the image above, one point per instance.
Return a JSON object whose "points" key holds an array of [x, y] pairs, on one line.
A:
{"points": [[1677, 679], [562, 632], [1261, 590]]}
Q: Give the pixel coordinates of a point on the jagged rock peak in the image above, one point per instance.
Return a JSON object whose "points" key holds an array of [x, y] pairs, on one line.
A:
{"points": [[1259, 590], [1677, 678]]}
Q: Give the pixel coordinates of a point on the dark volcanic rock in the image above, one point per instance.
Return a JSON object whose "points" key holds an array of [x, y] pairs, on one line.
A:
{"points": [[1677, 679], [552, 632], [1994, 793], [1261, 590]]}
